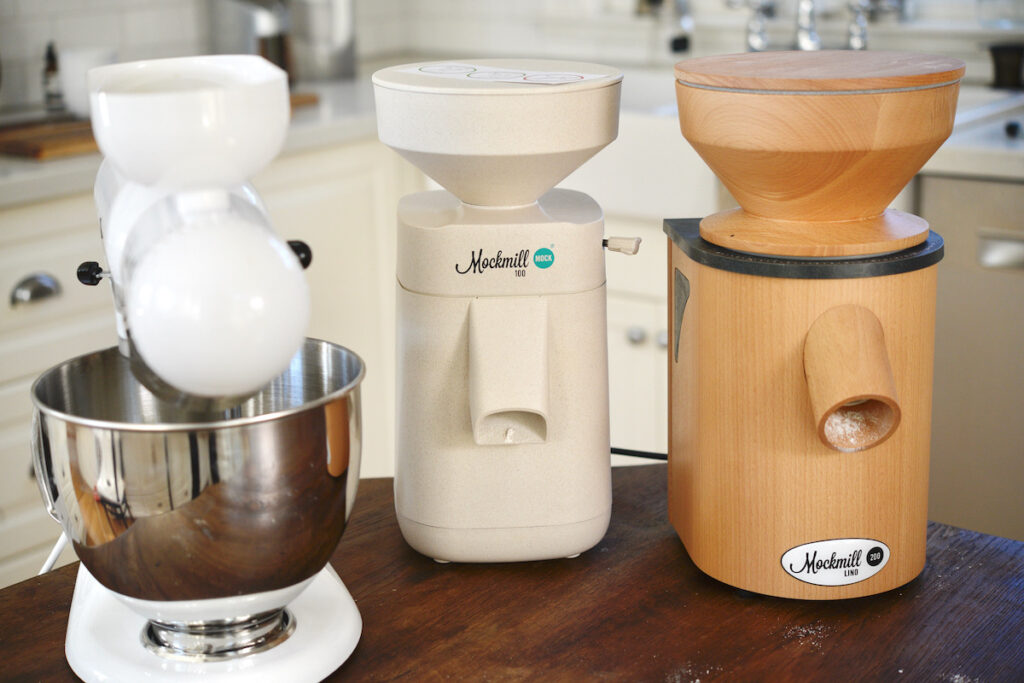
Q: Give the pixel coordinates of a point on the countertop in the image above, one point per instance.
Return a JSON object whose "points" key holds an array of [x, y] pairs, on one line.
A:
{"points": [[344, 112], [979, 146], [632, 608]]}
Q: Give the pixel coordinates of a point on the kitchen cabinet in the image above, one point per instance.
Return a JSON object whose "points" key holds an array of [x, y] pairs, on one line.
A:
{"points": [[648, 174], [637, 364], [977, 466], [339, 199], [41, 245], [637, 339]]}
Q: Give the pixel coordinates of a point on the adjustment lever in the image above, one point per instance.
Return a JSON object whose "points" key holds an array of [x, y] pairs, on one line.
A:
{"points": [[623, 245]]}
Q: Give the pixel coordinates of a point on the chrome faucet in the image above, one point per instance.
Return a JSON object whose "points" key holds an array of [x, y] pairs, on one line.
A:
{"points": [[806, 34], [877, 8], [863, 12], [676, 15], [761, 11], [857, 31]]}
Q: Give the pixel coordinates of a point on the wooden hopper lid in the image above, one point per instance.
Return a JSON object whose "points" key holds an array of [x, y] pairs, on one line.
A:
{"points": [[824, 71]]}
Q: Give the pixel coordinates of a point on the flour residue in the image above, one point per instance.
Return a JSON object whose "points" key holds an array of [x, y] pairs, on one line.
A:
{"points": [[858, 425], [812, 635], [691, 673], [960, 678]]}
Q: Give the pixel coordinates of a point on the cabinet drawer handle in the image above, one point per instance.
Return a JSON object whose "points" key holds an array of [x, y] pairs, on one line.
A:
{"points": [[1001, 252], [636, 335], [35, 287], [661, 339]]}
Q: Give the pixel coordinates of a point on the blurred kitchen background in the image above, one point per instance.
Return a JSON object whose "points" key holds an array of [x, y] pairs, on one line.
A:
{"points": [[626, 32], [335, 186]]}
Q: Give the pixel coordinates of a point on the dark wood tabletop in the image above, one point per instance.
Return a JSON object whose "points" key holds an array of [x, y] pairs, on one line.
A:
{"points": [[632, 608]]}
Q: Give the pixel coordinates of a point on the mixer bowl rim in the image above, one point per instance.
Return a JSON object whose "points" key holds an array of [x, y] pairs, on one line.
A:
{"points": [[201, 425], [239, 72]]}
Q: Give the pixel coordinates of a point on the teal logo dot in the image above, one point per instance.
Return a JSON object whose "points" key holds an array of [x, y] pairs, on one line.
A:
{"points": [[543, 258]]}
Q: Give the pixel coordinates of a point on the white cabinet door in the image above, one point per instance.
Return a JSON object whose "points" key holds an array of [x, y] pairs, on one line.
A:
{"points": [[341, 201], [637, 334], [637, 376], [65, 319], [977, 459]]}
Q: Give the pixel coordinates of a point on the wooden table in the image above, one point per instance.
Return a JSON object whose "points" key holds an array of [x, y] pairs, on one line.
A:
{"points": [[632, 608]]}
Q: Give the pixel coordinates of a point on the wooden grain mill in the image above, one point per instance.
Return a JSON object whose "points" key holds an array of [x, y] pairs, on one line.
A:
{"points": [[802, 322]]}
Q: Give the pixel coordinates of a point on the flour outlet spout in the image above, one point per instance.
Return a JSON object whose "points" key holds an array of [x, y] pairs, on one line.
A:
{"points": [[508, 370], [849, 379]]}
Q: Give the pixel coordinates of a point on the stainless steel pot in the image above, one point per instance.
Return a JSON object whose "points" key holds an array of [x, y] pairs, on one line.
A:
{"points": [[164, 505]]}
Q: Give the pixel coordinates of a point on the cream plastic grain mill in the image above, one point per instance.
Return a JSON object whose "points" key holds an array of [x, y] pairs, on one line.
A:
{"points": [[502, 444]]}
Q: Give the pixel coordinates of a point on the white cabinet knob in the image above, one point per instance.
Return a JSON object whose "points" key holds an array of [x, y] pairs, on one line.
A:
{"points": [[35, 287], [636, 335], [661, 339]]}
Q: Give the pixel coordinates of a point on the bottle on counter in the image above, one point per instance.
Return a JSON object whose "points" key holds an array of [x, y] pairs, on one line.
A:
{"points": [[52, 95]]}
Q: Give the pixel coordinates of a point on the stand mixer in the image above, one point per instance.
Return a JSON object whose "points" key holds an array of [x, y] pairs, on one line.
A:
{"points": [[502, 435], [205, 468], [802, 323]]}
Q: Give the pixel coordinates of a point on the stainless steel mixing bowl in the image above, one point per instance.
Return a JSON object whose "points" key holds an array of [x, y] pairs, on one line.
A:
{"points": [[167, 505]]}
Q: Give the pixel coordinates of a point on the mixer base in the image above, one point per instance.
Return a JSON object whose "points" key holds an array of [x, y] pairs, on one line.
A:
{"points": [[104, 639]]}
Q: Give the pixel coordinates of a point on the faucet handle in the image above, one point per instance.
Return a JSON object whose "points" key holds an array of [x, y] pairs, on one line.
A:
{"points": [[757, 39], [857, 31], [806, 33]]}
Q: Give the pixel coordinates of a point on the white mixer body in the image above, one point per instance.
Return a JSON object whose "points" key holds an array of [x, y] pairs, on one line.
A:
{"points": [[503, 447]]}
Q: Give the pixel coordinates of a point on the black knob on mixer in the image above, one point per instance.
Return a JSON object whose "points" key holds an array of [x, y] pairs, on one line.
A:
{"points": [[90, 273], [1012, 129], [302, 251]]}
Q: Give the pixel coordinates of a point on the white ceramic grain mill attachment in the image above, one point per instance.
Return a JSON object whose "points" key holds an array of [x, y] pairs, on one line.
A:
{"points": [[189, 122], [184, 234], [497, 132]]}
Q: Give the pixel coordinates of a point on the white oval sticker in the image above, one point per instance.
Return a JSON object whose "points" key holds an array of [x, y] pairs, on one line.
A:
{"points": [[838, 562]]}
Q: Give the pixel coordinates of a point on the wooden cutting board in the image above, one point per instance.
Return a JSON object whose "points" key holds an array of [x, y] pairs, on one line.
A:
{"points": [[56, 139], [49, 140]]}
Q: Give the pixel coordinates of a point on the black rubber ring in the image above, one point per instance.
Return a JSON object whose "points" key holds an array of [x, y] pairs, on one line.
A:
{"points": [[685, 233]]}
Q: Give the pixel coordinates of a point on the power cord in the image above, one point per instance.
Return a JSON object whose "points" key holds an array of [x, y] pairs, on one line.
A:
{"points": [[54, 554], [639, 454]]}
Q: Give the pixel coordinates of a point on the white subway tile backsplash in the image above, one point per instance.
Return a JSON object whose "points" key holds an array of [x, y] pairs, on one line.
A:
{"points": [[596, 30], [87, 29], [31, 8], [369, 10], [18, 78], [137, 28], [567, 8], [25, 39], [130, 53], [376, 39], [157, 25]]}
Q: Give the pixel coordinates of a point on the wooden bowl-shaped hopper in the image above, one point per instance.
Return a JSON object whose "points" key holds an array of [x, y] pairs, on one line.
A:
{"points": [[815, 145]]}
